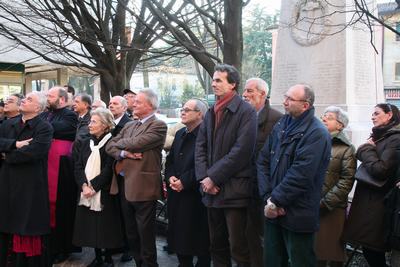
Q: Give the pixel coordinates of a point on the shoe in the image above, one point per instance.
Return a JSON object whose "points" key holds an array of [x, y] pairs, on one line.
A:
{"points": [[61, 257], [97, 262], [125, 257]]}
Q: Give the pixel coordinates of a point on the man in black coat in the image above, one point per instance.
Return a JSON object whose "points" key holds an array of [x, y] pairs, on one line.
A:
{"points": [[255, 93], [82, 106], [187, 216], [62, 187], [24, 202], [118, 106], [224, 149]]}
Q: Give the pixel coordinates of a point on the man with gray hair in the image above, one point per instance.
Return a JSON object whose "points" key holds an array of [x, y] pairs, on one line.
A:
{"points": [[291, 168], [24, 202], [137, 150], [118, 106], [11, 105], [256, 94], [187, 216]]}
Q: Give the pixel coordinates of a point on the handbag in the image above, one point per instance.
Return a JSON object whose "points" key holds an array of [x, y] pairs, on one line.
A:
{"points": [[363, 176]]}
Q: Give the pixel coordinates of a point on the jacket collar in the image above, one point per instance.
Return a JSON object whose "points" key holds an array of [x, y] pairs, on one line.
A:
{"points": [[341, 136], [233, 105], [304, 123], [30, 123], [263, 114]]}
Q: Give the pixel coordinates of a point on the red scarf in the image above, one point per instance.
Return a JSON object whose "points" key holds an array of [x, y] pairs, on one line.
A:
{"points": [[219, 106]]}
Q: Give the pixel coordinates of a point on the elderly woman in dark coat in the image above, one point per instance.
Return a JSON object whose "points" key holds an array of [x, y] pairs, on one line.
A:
{"points": [[97, 222], [337, 185], [365, 225]]}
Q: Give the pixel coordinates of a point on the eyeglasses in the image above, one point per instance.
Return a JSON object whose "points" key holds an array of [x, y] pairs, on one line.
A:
{"points": [[186, 110], [330, 118], [289, 98]]}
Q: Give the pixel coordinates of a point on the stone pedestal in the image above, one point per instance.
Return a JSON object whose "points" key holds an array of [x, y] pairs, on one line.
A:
{"points": [[316, 47]]}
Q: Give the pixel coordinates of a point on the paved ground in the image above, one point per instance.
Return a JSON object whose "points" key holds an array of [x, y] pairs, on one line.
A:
{"points": [[84, 258]]}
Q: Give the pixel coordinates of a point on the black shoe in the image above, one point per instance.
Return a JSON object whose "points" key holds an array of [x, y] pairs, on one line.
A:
{"points": [[96, 262], [61, 257], [125, 257]]}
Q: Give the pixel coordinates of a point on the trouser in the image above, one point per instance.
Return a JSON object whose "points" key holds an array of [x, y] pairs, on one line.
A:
{"points": [[140, 219], [374, 258], [282, 246], [254, 231], [187, 260], [227, 236]]}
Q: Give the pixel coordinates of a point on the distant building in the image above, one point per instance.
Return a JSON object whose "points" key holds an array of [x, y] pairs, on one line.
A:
{"points": [[391, 52]]}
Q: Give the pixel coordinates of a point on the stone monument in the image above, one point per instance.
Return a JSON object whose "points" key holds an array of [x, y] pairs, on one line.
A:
{"points": [[316, 45]]}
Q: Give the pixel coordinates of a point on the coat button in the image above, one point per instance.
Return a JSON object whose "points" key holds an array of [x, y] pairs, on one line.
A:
{"points": [[181, 154]]}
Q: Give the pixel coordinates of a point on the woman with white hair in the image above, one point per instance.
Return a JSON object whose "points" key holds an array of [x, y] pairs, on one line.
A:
{"points": [[337, 185], [97, 221]]}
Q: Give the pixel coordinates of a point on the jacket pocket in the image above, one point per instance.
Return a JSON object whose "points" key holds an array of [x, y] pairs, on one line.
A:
{"points": [[238, 188]]}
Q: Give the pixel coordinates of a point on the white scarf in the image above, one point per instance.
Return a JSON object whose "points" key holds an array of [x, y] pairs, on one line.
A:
{"points": [[93, 169]]}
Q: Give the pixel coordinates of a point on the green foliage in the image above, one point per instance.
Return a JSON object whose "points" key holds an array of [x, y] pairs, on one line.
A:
{"points": [[190, 91], [167, 89], [257, 42]]}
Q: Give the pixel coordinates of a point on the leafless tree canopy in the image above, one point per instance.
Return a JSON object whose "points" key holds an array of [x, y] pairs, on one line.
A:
{"points": [[84, 33]]}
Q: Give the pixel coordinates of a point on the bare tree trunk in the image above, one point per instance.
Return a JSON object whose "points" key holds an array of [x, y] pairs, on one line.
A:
{"points": [[232, 33]]}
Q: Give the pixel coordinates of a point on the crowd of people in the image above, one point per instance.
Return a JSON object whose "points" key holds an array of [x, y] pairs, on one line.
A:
{"points": [[246, 184]]}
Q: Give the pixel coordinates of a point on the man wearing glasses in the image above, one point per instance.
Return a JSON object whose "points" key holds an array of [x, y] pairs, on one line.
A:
{"points": [[291, 169], [224, 149], [130, 97], [11, 106]]}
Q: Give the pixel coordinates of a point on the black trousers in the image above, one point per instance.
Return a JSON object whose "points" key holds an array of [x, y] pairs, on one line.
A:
{"points": [[140, 223], [227, 236], [255, 231]]}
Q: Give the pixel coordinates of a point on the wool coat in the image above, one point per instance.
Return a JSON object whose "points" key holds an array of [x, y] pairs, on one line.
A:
{"points": [[98, 229], [24, 200], [225, 154], [187, 216], [365, 225]]}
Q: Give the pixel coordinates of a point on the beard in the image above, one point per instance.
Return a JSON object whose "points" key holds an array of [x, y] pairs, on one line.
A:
{"points": [[54, 105]]}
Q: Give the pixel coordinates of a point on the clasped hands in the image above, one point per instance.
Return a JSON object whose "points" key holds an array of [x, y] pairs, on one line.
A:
{"points": [[88, 191], [175, 184], [209, 187], [131, 155]]}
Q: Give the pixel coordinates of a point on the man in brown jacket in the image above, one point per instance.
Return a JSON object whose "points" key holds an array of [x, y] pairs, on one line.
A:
{"points": [[137, 149], [256, 94]]}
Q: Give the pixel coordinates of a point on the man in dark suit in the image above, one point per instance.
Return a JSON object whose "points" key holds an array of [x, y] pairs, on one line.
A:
{"points": [[118, 106], [137, 149], [256, 94], [188, 234], [82, 105]]}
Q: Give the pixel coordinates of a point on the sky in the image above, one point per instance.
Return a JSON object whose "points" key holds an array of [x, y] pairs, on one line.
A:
{"points": [[273, 5]]}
